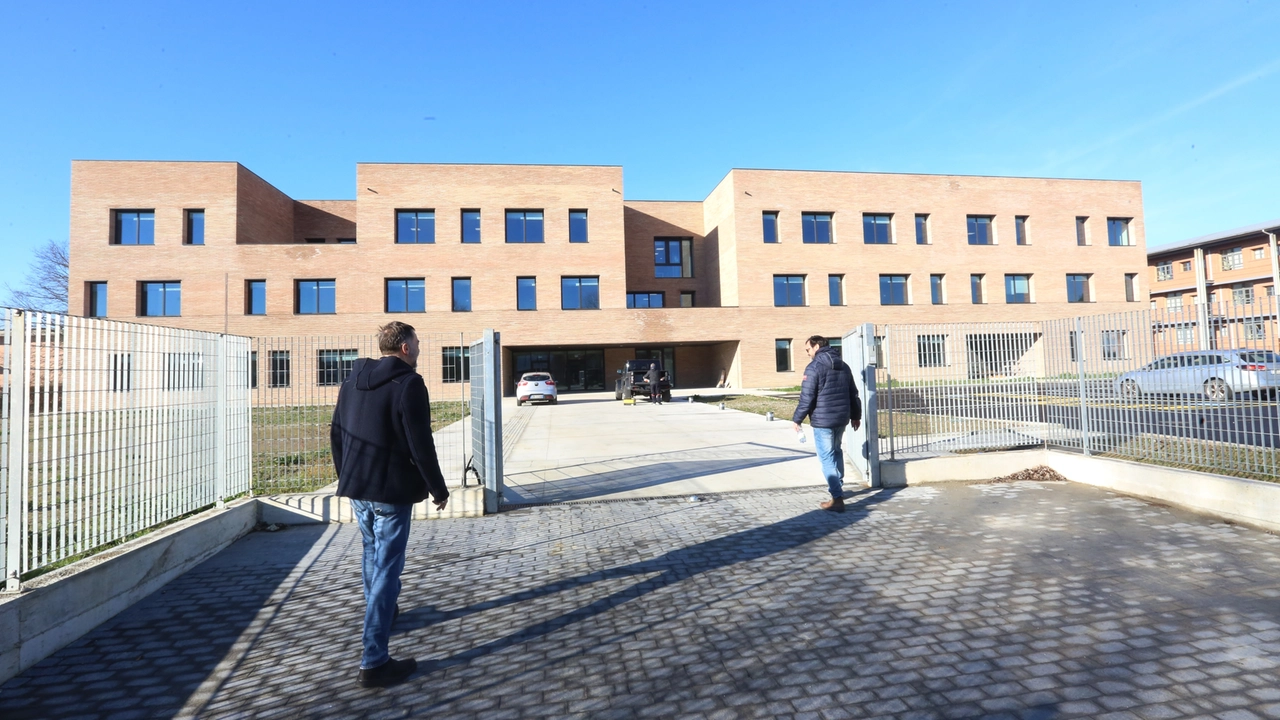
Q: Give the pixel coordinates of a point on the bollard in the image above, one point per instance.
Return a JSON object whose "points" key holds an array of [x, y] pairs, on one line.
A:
{"points": [[721, 406], [769, 416]]}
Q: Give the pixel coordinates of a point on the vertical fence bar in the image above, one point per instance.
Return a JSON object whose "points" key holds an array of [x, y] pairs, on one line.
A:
{"points": [[19, 414], [222, 378]]}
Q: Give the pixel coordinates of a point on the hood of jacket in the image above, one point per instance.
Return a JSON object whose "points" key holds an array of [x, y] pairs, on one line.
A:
{"points": [[372, 374], [827, 357]]}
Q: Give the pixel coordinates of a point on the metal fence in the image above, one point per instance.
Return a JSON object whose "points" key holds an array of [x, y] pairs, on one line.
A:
{"points": [[295, 382], [1190, 387], [109, 428]]}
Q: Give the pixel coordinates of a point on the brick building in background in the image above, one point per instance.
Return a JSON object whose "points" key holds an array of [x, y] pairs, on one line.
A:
{"points": [[578, 279]]}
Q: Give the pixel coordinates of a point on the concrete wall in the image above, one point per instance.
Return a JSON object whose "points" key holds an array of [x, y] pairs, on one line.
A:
{"points": [[58, 608]]}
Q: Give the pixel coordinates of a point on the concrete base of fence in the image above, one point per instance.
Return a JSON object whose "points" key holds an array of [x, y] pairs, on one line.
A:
{"points": [[56, 609], [1247, 502], [323, 507]]}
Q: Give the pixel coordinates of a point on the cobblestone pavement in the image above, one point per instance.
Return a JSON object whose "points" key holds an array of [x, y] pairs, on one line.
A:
{"points": [[1024, 600]]}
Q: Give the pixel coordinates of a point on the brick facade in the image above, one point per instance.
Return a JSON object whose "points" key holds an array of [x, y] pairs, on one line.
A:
{"points": [[255, 232]]}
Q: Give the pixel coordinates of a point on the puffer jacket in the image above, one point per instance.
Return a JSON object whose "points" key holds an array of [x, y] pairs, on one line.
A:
{"points": [[381, 435], [828, 396]]}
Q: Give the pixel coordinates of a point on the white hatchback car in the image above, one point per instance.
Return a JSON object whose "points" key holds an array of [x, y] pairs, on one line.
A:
{"points": [[536, 386]]}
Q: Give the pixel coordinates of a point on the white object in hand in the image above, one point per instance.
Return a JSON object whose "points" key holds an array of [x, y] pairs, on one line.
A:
{"points": [[800, 437]]}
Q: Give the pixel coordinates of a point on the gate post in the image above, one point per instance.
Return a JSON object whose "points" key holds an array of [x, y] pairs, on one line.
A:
{"points": [[493, 420], [1084, 407], [220, 426], [866, 444], [19, 397]]}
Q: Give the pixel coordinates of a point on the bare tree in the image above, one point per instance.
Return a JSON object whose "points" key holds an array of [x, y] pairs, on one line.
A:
{"points": [[45, 287]]}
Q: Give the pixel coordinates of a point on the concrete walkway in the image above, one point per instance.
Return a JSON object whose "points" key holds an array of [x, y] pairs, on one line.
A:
{"points": [[1027, 600], [592, 447]]}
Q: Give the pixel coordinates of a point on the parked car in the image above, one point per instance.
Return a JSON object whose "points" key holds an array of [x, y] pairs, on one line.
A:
{"points": [[631, 382], [536, 386], [1215, 374]]}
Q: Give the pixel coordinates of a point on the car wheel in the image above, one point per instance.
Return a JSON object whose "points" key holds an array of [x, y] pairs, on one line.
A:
{"points": [[1130, 389], [666, 396], [519, 402], [555, 400], [1216, 389]]}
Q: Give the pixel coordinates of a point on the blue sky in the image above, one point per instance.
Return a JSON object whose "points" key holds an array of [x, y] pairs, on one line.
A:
{"points": [[1180, 95]]}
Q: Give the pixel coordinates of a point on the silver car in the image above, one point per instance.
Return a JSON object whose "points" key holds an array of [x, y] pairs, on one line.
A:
{"points": [[1215, 374]]}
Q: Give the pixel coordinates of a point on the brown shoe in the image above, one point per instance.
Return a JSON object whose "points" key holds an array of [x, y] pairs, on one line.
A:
{"points": [[834, 505]]}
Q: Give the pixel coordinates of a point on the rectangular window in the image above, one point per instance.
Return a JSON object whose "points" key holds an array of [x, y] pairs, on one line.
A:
{"points": [[1186, 335], [333, 366], [931, 350], [1233, 259], [415, 226], [875, 229], [455, 364], [936, 290], [770, 221], [120, 372], [1115, 344], [815, 227], [406, 295], [893, 289], [1020, 229], [315, 297], [686, 299], [1118, 232], [159, 299], [1186, 266], [1259, 253], [1255, 331], [672, 257], [524, 226], [1130, 287], [922, 229], [253, 369], [193, 234], [470, 226], [133, 227], [315, 241], [645, 300], [184, 371], [346, 241], [526, 293], [788, 290], [1173, 302], [278, 371], [255, 297], [95, 295], [1082, 230], [1078, 289], [579, 293], [835, 289], [980, 227], [1017, 289], [975, 290], [1242, 294], [1271, 290], [577, 226], [782, 355], [462, 294], [1164, 271]]}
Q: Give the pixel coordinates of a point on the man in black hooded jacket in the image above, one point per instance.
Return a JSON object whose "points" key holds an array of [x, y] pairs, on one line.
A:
{"points": [[386, 461], [830, 399]]}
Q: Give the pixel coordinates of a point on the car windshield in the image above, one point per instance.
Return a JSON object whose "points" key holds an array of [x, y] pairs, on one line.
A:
{"points": [[540, 377], [1260, 356]]}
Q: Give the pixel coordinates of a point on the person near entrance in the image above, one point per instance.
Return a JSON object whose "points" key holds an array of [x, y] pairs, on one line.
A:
{"points": [[386, 461], [654, 378], [829, 399]]}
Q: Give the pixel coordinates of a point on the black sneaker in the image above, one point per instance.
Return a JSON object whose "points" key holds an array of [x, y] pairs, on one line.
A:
{"points": [[389, 673]]}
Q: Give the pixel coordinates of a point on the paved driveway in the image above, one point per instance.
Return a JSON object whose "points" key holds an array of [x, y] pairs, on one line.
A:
{"points": [[590, 446], [1020, 600]]}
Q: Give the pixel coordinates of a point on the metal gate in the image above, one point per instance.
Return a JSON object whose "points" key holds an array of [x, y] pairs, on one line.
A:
{"points": [[859, 351], [486, 416]]}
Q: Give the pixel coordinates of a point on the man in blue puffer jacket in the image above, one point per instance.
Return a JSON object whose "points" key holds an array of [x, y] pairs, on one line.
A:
{"points": [[829, 399]]}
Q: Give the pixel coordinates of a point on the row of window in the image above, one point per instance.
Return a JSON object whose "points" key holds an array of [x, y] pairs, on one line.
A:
{"points": [[1241, 294], [138, 227], [878, 229], [333, 366], [522, 226], [1232, 259], [789, 290]]}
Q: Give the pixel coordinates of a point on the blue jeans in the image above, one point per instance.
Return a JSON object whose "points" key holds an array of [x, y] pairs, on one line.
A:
{"points": [[826, 441], [385, 528]]}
